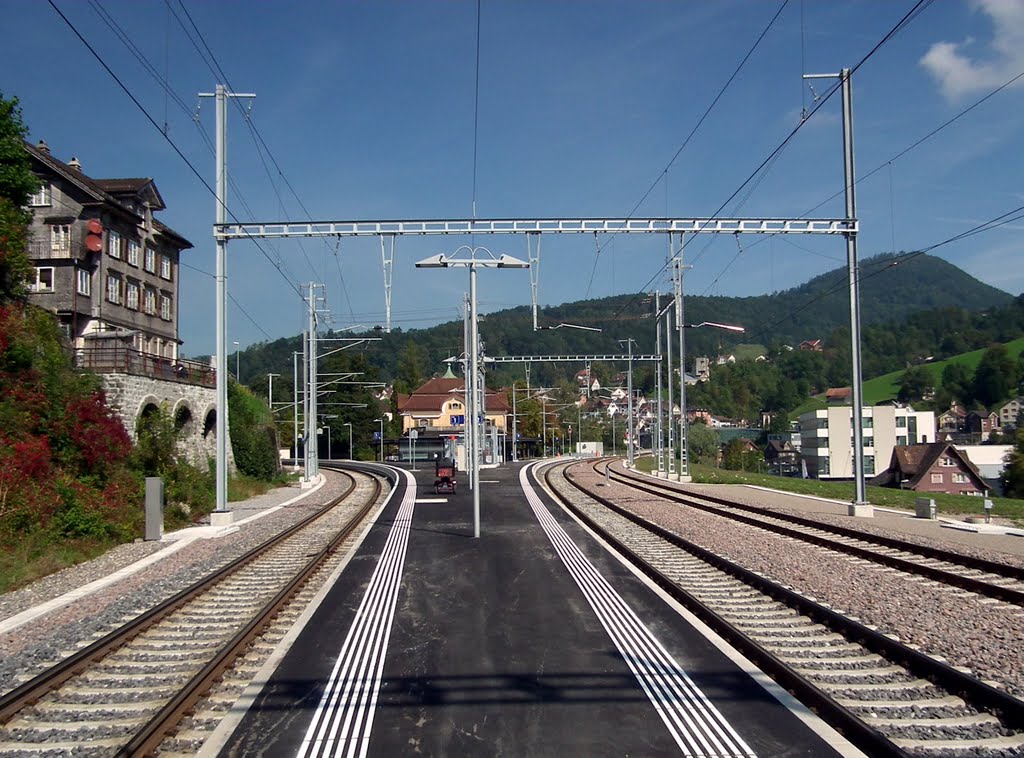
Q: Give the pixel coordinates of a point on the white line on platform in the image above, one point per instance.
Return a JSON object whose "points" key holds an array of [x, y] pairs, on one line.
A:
{"points": [[697, 726]]}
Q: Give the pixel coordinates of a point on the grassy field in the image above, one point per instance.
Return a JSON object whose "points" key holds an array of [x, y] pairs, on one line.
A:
{"points": [[947, 505], [884, 388]]}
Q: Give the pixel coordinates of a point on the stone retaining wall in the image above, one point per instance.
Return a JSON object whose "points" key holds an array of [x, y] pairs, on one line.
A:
{"points": [[193, 408]]}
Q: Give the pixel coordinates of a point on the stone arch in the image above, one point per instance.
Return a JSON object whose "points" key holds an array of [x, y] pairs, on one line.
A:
{"points": [[208, 439], [184, 420], [149, 405]]}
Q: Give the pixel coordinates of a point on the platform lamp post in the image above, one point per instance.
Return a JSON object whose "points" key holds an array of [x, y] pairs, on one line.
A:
{"points": [[381, 420], [684, 449], [351, 452], [473, 263], [238, 361]]}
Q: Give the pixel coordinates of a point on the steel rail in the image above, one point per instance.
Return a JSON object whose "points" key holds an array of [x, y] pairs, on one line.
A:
{"points": [[147, 740], [978, 586], [47, 681], [983, 696]]}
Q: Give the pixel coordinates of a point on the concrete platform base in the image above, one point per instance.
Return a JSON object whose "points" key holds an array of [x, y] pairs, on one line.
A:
{"points": [[685, 478], [862, 510], [222, 518]]}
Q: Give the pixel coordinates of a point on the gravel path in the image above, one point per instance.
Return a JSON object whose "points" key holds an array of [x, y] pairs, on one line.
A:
{"points": [[31, 647], [970, 632]]}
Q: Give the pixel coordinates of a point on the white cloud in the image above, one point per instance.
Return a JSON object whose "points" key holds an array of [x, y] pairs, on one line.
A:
{"points": [[959, 74]]}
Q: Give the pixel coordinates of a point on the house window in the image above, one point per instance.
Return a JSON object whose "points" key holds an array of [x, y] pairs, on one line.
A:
{"points": [[84, 282], [42, 197], [60, 240], [456, 406], [937, 478], [149, 301], [165, 266], [901, 422], [132, 296], [165, 308], [901, 440], [115, 244], [150, 260], [869, 465], [946, 462], [133, 252], [114, 288], [44, 280], [959, 478]]}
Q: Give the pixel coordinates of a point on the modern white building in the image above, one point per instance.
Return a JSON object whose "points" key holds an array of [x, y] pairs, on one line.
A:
{"points": [[826, 437]]}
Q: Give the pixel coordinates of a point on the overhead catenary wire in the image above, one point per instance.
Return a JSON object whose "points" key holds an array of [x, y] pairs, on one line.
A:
{"points": [[152, 121], [907, 18], [693, 131], [163, 83], [215, 68]]}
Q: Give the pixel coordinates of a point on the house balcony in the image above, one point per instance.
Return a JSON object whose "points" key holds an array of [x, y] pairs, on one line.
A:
{"points": [[74, 248], [125, 360]]}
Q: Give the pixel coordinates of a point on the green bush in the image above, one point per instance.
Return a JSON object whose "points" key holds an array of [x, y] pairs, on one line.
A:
{"points": [[253, 437]]}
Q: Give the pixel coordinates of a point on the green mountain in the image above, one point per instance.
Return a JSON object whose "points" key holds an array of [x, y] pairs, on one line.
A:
{"points": [[892, 291]]}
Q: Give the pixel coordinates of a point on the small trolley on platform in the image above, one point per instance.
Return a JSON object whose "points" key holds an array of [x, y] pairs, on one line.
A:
{"points": [[444, 476]]}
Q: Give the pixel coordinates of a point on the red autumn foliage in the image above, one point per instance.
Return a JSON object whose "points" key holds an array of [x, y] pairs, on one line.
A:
{"points": [[98, 436]]}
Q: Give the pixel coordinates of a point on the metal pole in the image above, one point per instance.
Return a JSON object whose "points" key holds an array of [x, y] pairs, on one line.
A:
{"points": [[629, 382], [515, 426], [657, 425], [684, 446], [860, 505], [468, 375], [671, 473], [221, 295], [474, 345], [381, 419], [351, 451], [295, 401]]}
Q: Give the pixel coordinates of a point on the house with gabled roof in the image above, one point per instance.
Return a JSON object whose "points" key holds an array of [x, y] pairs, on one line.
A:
{"points": [[439, 406], [935, 467], [103, 263]]}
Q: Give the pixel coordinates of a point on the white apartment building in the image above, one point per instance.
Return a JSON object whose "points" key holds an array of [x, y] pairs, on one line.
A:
{"points": [[826, 438]]}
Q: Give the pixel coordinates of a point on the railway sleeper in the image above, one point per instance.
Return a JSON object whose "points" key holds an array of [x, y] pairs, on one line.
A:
{"points": [[961, 745]]}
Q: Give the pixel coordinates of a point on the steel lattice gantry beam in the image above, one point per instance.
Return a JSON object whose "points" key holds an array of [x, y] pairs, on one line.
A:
{"points": [[279, 230], [569, 358]]}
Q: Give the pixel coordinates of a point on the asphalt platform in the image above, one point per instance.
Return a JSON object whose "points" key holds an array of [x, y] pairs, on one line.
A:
{"points": [[492, 647]]}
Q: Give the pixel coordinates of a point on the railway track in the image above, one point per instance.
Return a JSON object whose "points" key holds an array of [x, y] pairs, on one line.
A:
{"points": [[984, 577], [130, 691], [887, 698]]}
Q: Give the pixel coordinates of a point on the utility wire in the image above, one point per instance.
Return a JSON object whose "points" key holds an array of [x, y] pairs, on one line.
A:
{"points": [[910, 16], [693, 131], [152, 121], [993, 223], [164, 84], [215, 68]]}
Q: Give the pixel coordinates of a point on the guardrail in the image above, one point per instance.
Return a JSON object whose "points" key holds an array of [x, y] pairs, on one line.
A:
{"points": [[125, 360]]}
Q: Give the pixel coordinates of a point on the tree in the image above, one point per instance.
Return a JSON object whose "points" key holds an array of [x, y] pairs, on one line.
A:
{"points": [[702, 443], [995, 378], [915, 384], [17, 184], [956, 380], [1012, 477]]}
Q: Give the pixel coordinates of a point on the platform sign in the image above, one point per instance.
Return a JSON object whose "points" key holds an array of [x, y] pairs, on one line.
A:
{"points": [[456, 420]]}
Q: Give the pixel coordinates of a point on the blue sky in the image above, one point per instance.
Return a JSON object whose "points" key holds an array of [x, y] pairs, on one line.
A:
{"points": [[368, 111]]}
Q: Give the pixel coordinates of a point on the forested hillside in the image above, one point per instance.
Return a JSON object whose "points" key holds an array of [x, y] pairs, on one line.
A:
{"points": [[919, 308]]}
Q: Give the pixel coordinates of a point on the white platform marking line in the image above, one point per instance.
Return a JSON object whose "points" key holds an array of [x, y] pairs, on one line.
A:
{"points": [[654, 668], [647, 647], [657, 672], [352, 698], [370, 628]]}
